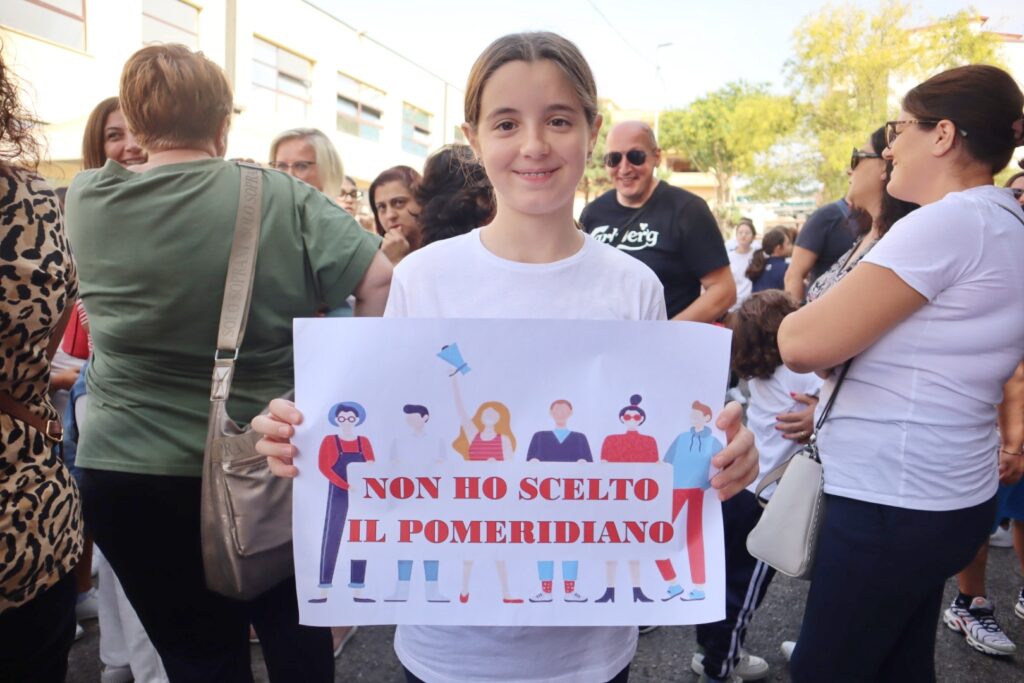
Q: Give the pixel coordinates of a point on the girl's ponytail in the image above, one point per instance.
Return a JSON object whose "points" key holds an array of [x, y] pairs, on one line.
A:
{"points": [[775, 238]]}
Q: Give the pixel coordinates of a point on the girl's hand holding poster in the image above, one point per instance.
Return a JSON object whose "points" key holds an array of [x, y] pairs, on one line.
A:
{"points": [[508, 472]]}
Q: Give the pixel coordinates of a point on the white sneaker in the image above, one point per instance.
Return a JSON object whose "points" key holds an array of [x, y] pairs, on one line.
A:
{"points": [[1018, 608], [1002, 538], [750, 667], [87, 605], [574, 597], [343, 641], [117, 674], [79, 631], [979, 626], [541, 597], [787, 648]]}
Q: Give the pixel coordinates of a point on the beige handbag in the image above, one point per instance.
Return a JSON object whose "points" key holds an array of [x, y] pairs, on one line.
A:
{"points": [[786, 536], [246, 510]]}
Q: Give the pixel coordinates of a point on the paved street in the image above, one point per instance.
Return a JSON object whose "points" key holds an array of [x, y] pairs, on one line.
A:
{"points": [[664, 655]]}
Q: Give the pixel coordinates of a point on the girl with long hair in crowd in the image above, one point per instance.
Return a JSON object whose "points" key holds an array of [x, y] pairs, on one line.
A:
{"points": [[531, 118], [740, 255], [767, 269], [454, 194], [40, 509], [154, 325], [933, 320]]}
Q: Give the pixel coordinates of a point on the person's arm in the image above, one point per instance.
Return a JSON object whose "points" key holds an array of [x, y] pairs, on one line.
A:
{"points": [[838, 326], [718, 295], [328, 457], [372, 291], [532, 450], [800, 266], [585, 450], [1011, 429], [367, 449], [798, 424], [506, 449], [460, 409]]}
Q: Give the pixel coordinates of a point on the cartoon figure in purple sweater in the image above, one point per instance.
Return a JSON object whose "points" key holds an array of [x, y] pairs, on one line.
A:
{"points": [[559, 445]]}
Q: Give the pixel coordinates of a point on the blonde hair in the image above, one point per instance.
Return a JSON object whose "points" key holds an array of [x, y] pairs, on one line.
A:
{"points": [[173, 97], [532, 47], [328, 161], [503, 427]]}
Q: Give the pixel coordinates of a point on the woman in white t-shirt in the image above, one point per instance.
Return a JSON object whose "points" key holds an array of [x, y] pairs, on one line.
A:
{"points": [[739, 259], [933, 318], [532, 120]]}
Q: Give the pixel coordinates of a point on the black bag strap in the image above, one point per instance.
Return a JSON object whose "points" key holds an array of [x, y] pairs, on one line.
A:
{"points": [[832, 399]]}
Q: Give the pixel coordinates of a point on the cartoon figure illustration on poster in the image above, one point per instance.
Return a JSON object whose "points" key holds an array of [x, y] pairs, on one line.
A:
{"points": [[337, 452], [487, 436], [690, 456], [559, 445], [631, 446], [417, 446]]}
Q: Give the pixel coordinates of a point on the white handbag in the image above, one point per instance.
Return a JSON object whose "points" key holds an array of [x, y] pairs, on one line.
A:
{"points": [[786, 536]]}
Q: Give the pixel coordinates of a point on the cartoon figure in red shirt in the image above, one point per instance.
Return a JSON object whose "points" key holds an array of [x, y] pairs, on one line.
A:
{"points": [[632, 446], [337, 452], [487, 436]]}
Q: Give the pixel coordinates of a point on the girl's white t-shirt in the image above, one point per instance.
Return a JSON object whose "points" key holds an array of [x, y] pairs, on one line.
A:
{"points": [[460, 278], [769, 398], [738, 264], [913, 425]]}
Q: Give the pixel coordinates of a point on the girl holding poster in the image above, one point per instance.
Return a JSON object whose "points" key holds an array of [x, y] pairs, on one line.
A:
{"points": [[532, 120]]}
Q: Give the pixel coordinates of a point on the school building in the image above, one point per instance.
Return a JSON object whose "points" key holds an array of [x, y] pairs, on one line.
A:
{"points": [[290, 63]]}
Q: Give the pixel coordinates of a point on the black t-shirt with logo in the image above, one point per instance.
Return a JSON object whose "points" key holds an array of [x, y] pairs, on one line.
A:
{"points": [[676, 236]]}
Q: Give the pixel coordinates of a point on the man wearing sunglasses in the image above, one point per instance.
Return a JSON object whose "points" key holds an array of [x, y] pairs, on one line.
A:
{"points": [[669, 229]]}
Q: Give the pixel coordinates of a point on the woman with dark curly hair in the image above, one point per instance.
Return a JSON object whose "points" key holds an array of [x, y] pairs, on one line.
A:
{"points": [[454, 195], [40, 509], [396, 211]]}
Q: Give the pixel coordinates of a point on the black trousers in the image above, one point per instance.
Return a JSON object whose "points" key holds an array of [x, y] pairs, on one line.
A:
{"points": [[149, 530], [35, 637], [746, 582], [876, 590]]}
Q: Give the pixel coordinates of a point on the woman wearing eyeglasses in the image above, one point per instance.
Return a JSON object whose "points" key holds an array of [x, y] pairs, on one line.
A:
{"points": [[349, 196], [933, 318], [310, 156]]}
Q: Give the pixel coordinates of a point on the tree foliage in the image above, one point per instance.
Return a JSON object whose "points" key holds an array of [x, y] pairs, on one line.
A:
{"points": [[850, 67], [595, 179], [725, 131]]}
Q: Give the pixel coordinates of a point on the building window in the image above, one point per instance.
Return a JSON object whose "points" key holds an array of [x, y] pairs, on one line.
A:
{"points": [[62, 21], [285, 74], [170, 21], [360, 108], [415, 130]]}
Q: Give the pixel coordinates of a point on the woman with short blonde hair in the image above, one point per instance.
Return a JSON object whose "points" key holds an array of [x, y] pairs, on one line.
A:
{"points": [[323, 170]]}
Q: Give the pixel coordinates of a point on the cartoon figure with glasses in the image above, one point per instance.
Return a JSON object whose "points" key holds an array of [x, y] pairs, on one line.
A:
{"points": [[630, 447], [337, 452]]}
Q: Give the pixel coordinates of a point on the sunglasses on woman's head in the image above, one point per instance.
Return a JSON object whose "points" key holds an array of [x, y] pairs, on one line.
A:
{"points": [[636, 157], [860, 154]]}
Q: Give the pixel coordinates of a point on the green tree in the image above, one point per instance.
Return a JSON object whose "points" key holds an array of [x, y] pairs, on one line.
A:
{"points": [[850, 66], [724, 132]]}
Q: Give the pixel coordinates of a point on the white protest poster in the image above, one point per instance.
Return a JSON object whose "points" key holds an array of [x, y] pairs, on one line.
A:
{"points": [[508, 472]]}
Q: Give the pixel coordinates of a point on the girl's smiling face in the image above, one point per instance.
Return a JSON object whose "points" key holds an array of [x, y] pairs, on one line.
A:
{"points": [[532, 138]]}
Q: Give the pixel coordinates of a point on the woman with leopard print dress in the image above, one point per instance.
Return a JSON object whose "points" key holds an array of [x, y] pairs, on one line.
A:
{"points": [[40, 516]]}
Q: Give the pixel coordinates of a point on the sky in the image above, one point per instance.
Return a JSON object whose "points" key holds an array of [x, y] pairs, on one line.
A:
{"points": [[706, 43]]}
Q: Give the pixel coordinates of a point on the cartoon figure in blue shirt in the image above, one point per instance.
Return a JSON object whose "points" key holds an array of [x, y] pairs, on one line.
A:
{"points": [[559, 445], [690, 456]]}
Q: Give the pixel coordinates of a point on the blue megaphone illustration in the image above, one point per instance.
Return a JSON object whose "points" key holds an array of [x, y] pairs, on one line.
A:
{"points": [[451, 355]]}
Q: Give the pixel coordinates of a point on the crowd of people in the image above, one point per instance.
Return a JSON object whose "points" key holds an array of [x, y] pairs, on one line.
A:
{"points": [[907, 292]]}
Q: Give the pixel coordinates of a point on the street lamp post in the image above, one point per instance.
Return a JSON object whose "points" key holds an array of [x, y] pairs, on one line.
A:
{"points": [[657, 76]]}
